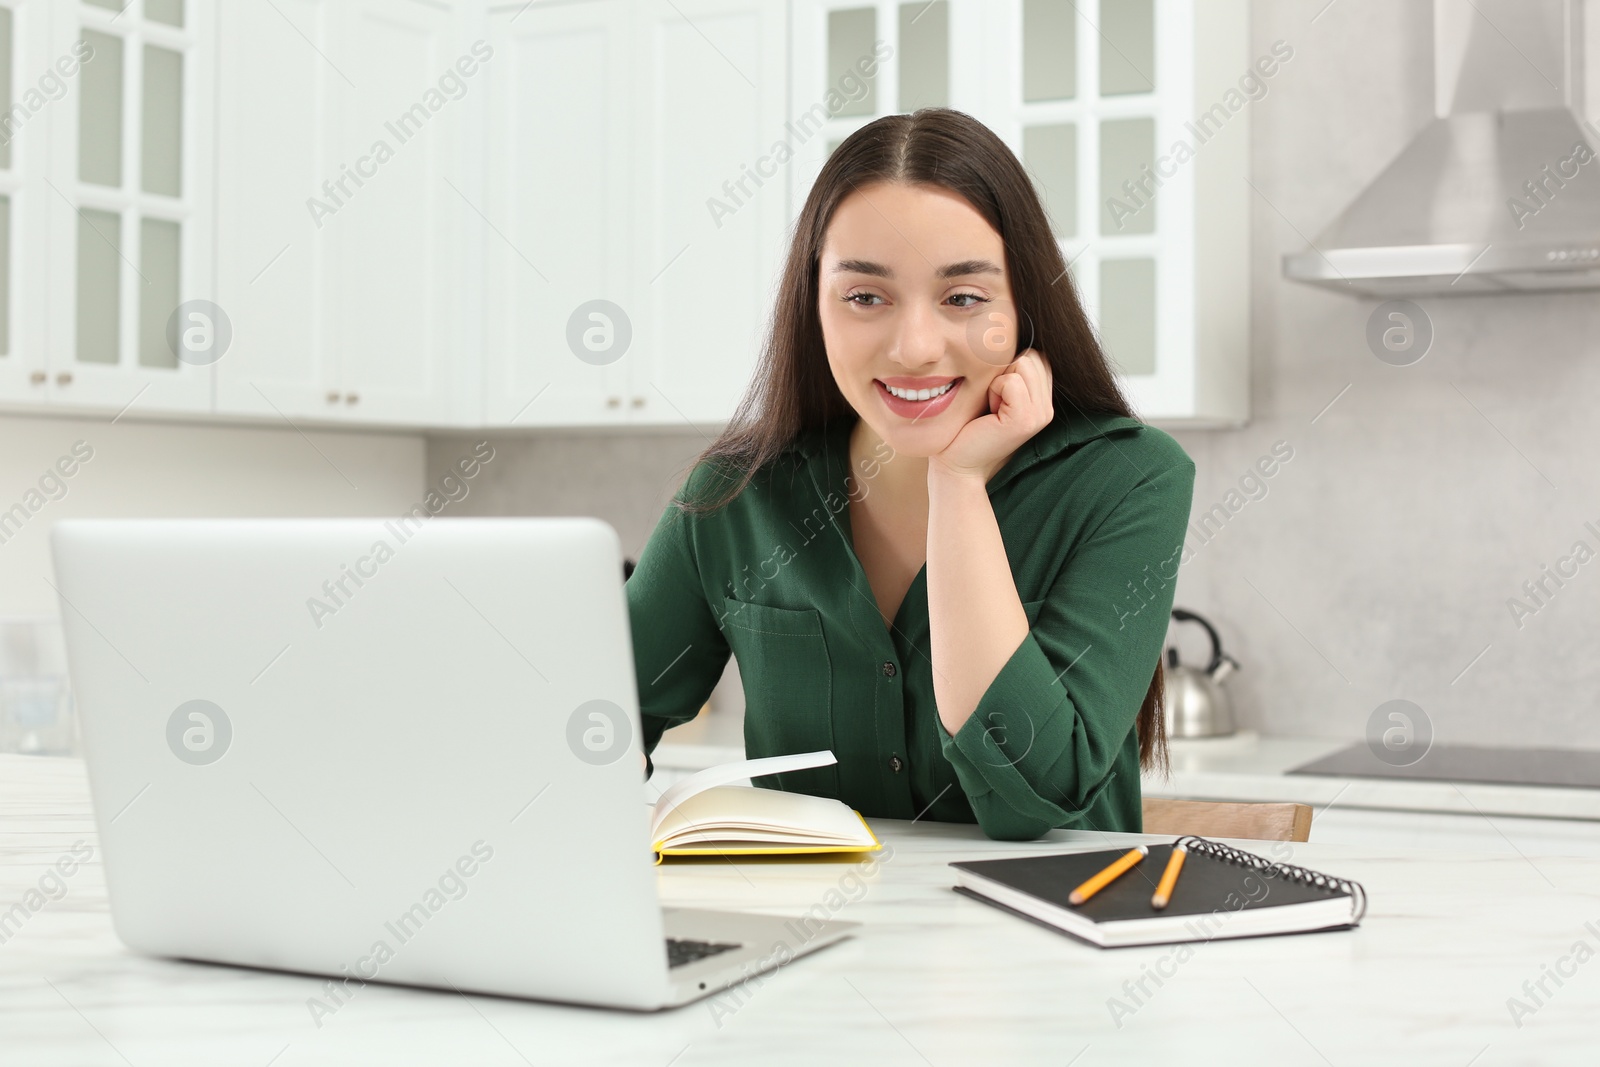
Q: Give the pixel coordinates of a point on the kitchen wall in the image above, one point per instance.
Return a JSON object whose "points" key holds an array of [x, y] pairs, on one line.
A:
{"points": [[626, 479], [133, 469], [1380, 560]]}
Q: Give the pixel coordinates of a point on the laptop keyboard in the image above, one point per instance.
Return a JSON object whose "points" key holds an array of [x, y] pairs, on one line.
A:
{"points": [[686, 950]]}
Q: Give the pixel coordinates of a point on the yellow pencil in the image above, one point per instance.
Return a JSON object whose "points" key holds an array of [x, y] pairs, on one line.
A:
{"points": [[1107, 876], [1169, 877]]}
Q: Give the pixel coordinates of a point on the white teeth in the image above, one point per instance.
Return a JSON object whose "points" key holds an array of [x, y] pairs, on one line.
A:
{"points": [[920, 394]]}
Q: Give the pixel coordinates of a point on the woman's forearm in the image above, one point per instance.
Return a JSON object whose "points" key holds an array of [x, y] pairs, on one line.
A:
{"points": [[975, 617]]}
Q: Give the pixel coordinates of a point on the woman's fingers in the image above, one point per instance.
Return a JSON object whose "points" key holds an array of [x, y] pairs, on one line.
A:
{"points": [[1030, 367]]}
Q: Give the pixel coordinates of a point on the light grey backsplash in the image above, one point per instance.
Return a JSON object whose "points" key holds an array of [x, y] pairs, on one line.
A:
{"points": [[625, 479], [1382, 558]]}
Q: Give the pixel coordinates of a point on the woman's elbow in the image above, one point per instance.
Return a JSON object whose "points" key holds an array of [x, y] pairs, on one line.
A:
{"points": [[1012, 826]]}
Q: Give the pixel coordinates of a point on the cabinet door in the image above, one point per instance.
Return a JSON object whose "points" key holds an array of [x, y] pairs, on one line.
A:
{"points": [[710, 203], [395, 281], [24, 51], [1100, 100], [130, 229], [272, 154], [557, 217]]}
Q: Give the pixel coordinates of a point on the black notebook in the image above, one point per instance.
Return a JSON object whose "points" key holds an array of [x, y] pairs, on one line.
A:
{"points": [[1221, 892]]}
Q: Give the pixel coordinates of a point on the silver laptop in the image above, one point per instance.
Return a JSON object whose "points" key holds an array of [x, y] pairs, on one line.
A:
{"points": [[398, 750]]}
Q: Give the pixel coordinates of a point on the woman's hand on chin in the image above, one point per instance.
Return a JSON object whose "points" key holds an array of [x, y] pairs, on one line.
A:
{"points": [[1019, 406]]}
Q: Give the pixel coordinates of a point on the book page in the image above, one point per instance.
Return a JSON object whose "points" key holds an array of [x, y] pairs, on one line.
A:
{"points": [[724, 773], [752, 815]]}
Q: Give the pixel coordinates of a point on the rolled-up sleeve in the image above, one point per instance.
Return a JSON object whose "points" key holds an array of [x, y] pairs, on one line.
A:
{"points": [[1040, 747], [679, 650]]}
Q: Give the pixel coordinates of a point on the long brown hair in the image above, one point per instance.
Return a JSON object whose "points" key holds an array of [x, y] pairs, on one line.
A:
{"points": [[793, 389]]}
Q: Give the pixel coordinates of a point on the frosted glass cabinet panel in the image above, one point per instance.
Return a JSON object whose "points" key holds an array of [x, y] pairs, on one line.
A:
{"points": [[162, 125], [1050, 152], [100, 111], [167, 11], [850, 35], [99, 285], [1049, 50], [1129, 313], [1127, 147], [924, 54], [160, 254], [1127, 47]]}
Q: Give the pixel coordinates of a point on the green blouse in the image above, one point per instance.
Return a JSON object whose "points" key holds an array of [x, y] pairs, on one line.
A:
{"points": [[1092, 511]]}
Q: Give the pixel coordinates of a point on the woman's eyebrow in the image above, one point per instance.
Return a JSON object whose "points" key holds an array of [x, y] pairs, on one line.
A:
{"points": [[950, 270]]}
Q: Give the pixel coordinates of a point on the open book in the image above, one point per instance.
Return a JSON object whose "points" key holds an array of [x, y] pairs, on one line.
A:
{"points": [[706, 815]]}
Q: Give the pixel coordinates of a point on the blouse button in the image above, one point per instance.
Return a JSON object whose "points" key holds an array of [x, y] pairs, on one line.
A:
{"points": [[895, 764], [888, 669]]}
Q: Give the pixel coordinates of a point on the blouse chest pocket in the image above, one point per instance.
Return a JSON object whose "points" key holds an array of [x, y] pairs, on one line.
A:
{"points": [[788, 688]]}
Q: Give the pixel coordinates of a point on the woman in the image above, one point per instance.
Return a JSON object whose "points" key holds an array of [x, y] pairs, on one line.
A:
{"points": [[949, 561]]}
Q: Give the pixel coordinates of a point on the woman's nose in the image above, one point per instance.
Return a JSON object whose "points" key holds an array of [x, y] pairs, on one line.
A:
{"points": [[922, 338]]}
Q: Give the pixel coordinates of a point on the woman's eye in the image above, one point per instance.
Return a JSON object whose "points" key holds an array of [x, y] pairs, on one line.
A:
{"points": [[857, 298]]}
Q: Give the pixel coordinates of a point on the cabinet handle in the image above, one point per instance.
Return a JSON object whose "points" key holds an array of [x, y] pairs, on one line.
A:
{"points": [[38, 377], [638, 401], [352, 398], [333, 398], [64, 378], [613, 401]]}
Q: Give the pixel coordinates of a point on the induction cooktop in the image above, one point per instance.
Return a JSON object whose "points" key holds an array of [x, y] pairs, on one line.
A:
{"points": [[1571, 768]]}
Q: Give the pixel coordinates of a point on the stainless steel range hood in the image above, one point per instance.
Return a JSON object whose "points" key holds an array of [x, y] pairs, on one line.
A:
{"points": [[1501, 191]]}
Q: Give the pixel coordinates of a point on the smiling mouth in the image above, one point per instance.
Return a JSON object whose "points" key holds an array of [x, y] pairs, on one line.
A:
{"points": [[915, 405], [919, 395]]}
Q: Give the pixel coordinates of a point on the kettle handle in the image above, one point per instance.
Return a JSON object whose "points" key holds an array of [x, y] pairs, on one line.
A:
{"points": [[1183, 615]]}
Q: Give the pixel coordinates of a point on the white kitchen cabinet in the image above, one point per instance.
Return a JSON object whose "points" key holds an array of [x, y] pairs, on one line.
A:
{"points": [[1089, 95], [558, 209], [627, 151], [128, 212], [343, 166], [396, 264], [24, 51], [271, 153], [617, 194], [709, 203], [424, 275]]}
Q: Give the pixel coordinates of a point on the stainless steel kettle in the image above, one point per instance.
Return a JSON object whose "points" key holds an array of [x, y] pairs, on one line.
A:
{"points": [[1196, 703]]}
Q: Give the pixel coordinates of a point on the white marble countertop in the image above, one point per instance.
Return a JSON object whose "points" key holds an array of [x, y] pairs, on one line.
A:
{"points": [[1244, 766], [1250, 767], [931, 978]]}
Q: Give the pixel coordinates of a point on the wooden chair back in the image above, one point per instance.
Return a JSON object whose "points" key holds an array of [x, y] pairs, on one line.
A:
{"points": [[1208, 818]]}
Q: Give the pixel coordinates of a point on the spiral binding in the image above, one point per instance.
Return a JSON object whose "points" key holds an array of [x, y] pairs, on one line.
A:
{"points": [[1271, 868]]}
